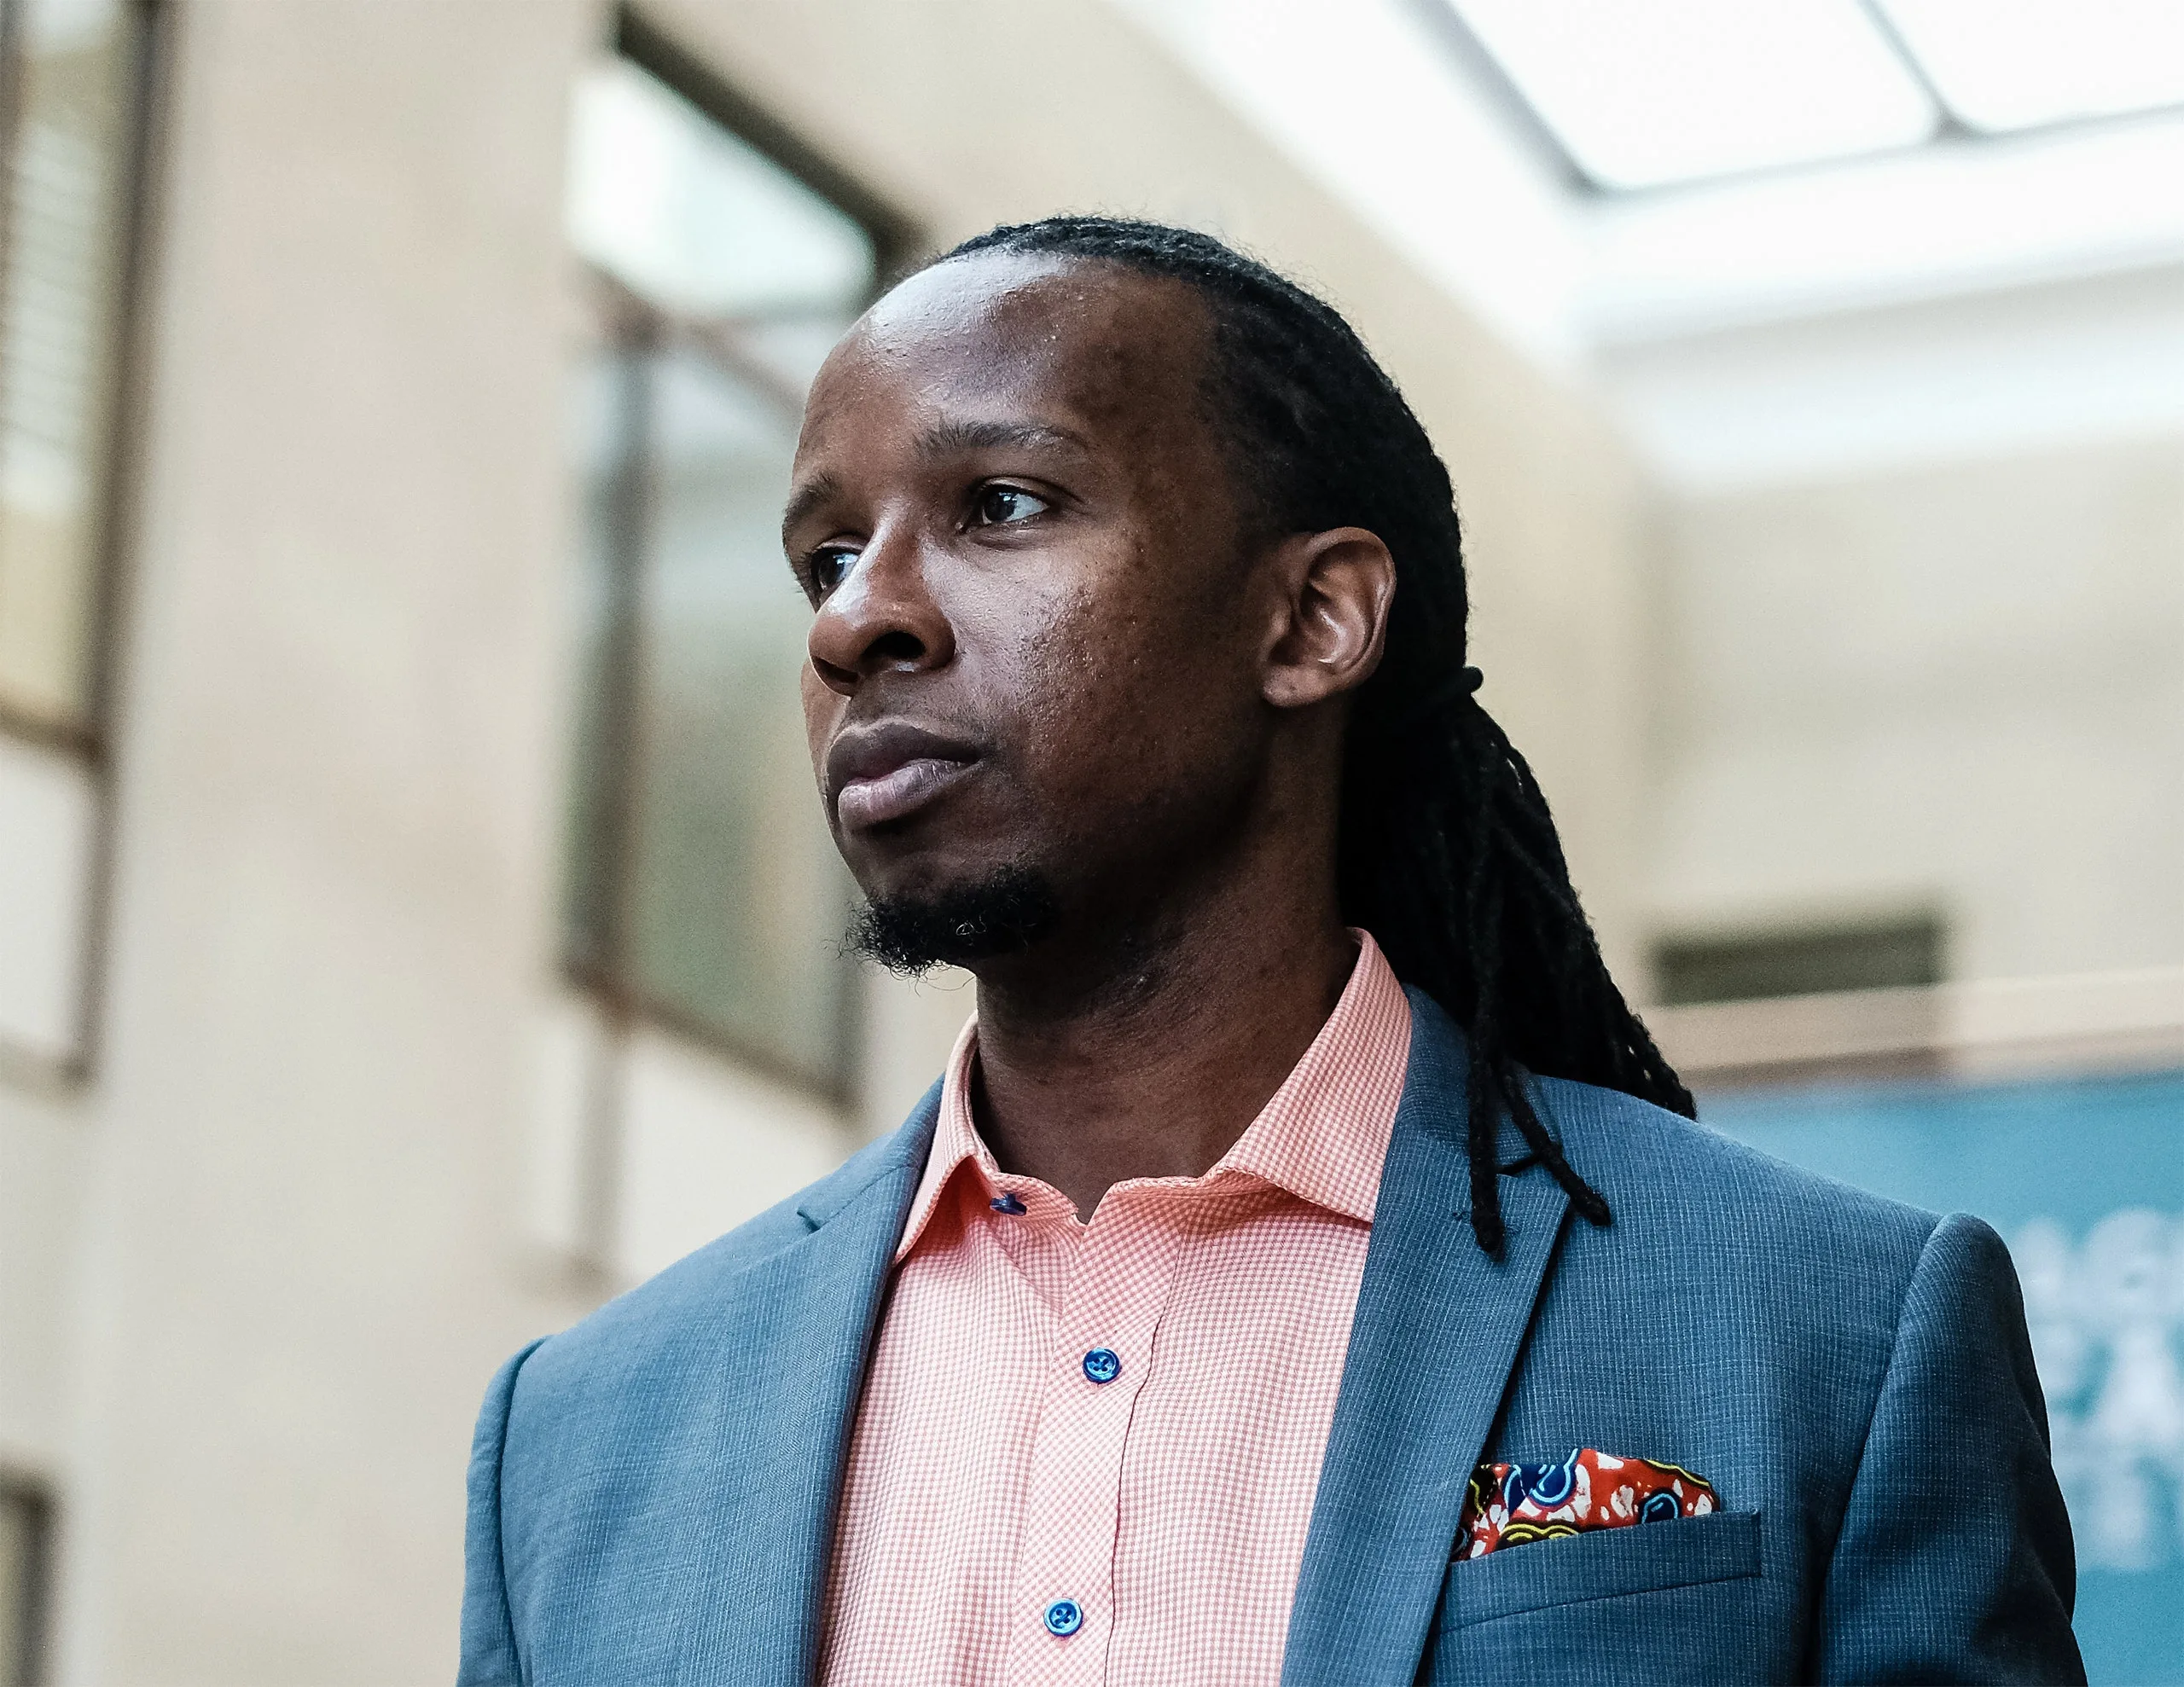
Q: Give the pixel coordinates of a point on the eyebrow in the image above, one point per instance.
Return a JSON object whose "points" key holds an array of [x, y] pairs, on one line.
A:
{"points": [[985, 436], [805, 499]]}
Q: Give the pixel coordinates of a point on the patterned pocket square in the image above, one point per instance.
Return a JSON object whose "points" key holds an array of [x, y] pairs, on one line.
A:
{"points": [[1511, 1503]]}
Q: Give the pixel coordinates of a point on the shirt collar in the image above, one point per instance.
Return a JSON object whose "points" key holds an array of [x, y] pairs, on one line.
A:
{"points": [[1323, 1137]]}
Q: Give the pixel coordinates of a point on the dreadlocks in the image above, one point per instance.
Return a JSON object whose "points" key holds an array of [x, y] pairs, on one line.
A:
{"points": [[1448, 855]]}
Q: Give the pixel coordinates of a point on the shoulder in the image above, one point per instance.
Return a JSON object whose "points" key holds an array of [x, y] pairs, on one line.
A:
{"points": [[1700, 1203], [1762, 1310], [657, 1324], [1704, 1221], [1663, 1167]]}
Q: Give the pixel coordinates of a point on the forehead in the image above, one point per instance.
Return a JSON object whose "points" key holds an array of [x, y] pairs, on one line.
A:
{"points": [[1095, 346]]}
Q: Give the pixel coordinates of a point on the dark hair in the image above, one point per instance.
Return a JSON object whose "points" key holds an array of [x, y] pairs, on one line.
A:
{"points": [[1448, 855]]}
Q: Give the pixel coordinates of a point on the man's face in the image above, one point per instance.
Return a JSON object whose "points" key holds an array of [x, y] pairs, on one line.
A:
{"points": [[1037, 645]]}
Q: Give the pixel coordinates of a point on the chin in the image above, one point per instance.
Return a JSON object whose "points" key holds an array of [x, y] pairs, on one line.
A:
{"points": [[956, 921]]}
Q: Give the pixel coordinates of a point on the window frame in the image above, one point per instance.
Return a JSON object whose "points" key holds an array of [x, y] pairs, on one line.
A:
{"points": [[628, 332], [33, 1595], [89, 739]]}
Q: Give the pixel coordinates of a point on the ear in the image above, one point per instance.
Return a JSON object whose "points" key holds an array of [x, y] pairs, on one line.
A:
{"points": [[1330, 618]]}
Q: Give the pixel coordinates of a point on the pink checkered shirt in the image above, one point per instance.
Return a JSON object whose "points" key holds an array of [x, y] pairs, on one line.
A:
{"points": [[998, 1495]]}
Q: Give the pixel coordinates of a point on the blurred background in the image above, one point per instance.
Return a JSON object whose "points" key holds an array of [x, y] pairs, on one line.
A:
{"points": [[415, 924]]}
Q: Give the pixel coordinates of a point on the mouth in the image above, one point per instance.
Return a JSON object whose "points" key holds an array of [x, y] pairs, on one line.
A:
{"points": [[886, 772]]}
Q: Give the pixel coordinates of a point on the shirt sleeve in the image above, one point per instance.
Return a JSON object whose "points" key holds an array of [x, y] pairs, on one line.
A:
{"points": [[1955, 1562], [489, 1648]]}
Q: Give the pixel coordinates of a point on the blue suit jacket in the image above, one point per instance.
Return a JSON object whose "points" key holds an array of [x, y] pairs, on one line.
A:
{"points": [[652, 1493]]}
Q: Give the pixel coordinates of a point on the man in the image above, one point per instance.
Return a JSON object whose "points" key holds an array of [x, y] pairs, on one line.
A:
{"points": [[1231, 1311]]}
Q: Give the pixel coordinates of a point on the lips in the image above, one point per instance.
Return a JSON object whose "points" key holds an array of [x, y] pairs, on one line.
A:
{"points": [[881, 774]]}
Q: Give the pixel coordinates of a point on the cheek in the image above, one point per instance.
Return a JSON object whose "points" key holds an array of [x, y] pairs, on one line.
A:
{"points": [[821, 707], [1079, 668], [1121, 701]]}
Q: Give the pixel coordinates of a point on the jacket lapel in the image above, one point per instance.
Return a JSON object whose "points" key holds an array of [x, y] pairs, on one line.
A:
{"points": [[1437, 1333], [784, 1422]]}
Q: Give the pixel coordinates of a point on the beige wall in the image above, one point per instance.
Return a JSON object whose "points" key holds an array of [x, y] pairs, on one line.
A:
{"points": [[335, 760], [1956, 685], [258, 1269]]}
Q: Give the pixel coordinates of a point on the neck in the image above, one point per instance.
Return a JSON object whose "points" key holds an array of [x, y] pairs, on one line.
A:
{"points": [[1147, 1056]]}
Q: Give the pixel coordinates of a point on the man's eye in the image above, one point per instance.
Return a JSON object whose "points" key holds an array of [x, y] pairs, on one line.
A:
{"points": [[998, 506], [828, 567]]}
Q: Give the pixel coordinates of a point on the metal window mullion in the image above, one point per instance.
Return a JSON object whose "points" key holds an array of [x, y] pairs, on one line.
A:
{"points": [[1948, 124], [615, 690], [136, 215], [11, 111], [719, 340], [617, 745]]}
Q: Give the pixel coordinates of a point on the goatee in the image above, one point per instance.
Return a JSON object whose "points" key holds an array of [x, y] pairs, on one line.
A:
{"points": [[1003, 913]]}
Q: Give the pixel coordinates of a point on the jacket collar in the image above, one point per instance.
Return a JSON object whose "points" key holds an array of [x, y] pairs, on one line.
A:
{"points": [[1436, 1336], [814, 1304], [906, 1147]]}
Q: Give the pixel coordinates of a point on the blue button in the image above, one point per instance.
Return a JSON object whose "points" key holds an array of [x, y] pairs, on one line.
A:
{"points": [[1063, 1619], [1006, 1202], [1103, 1365]]}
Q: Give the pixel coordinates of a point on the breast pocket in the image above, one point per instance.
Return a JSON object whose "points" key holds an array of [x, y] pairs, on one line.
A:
{"points": [[1723, 1546]]}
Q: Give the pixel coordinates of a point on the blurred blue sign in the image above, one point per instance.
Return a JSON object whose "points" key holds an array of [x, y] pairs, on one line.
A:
{"points": [[2084, 1178]]}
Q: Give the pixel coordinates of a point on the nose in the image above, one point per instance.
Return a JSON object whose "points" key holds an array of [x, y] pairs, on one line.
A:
{"points": [[881, 618]]}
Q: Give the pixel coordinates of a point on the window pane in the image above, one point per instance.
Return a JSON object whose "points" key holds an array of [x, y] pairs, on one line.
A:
{"points": [[1876, 955], [706, 886], [1643, 96], [684, 212], [706, 890], [2009, 64], [608, 429], [739, 897], [59, 322], [23, 1529]]}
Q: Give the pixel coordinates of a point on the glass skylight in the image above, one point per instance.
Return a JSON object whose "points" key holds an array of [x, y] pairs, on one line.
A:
{"points": [[2017, 64], [1646, 93]]}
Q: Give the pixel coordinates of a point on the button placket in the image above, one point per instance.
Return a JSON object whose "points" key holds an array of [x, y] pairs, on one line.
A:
{"points": [[1038, 1239], [1121, 1276]]}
